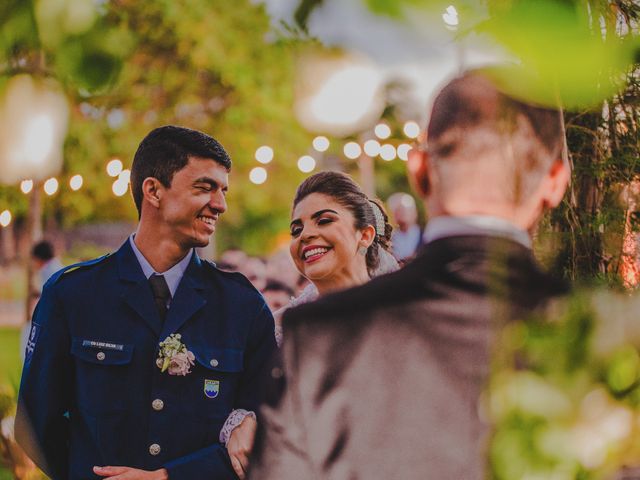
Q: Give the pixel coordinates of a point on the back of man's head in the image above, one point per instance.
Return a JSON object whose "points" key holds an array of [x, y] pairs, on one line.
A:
{"points": [[488, 145]]}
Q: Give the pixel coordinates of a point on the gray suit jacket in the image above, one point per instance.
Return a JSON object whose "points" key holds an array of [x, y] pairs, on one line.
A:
{"points": [[383, 381]]}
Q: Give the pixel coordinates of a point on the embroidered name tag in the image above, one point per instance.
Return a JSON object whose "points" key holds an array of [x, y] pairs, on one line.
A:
{"points": [[102, 345]]}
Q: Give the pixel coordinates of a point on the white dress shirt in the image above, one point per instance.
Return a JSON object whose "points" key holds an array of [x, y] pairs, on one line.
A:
{"points": [[448, 226]]}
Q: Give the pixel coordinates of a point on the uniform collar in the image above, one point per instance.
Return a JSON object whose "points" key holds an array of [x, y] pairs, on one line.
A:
{"points": [[446, 226], [172, 276]]}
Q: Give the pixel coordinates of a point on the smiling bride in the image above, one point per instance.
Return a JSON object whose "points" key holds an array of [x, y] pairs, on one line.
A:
{"points": [[339, 237]]}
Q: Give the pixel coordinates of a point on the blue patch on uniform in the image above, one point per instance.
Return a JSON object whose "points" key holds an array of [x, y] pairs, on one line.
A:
{"points": [[211, 388], [32, 340]]}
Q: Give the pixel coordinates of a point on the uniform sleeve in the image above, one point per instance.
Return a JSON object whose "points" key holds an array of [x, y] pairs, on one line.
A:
{"points": [[210, 462], [261, 347], [42, 419], [213, 461]]}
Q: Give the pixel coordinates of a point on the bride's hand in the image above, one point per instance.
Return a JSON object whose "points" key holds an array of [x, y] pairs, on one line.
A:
{"points": [[240, 445]]}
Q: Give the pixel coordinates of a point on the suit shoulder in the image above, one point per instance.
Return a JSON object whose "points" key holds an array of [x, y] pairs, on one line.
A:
{"points": [[235, 277], [71, 270]]}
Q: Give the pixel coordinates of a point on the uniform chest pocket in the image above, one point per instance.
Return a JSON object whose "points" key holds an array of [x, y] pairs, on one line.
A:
{"points": [[101, 353], [213, 384], [220, 359], [103, 375]]}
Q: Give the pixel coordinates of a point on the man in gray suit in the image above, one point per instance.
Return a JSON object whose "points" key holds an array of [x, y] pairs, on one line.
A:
{"points": [[383, 381]]}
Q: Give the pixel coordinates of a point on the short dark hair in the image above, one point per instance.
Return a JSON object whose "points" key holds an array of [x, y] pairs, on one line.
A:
{"points": [[277, 286], [347, 193], [43, 250], [166, 150]]}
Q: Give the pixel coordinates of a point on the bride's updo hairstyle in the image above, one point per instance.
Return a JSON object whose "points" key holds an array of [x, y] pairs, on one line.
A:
{"points": [[347, 193]]}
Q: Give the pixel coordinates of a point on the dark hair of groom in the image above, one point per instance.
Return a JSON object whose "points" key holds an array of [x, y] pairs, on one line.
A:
{"points": [[166, 150]]}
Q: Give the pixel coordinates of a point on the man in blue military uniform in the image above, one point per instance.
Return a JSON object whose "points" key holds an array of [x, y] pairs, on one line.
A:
{"points": [[135, 360]]}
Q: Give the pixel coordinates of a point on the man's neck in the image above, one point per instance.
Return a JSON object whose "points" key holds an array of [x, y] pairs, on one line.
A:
{"points": [[161, 251]]}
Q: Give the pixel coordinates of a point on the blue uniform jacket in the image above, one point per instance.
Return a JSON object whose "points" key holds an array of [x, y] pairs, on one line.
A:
{"points": [[91, 393]]}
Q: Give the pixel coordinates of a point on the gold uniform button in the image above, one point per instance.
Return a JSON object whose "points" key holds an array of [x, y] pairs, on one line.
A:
{"points": [[154, 449], [157, 404], [100, 356], [213, 362]]}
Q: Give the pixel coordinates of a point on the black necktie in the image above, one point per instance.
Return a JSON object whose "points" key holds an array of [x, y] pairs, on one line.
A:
{"points": [[161, 293]]}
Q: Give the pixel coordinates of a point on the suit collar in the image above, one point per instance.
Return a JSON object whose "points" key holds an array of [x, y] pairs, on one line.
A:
{"points": [[189, 297], [449, 226], [129, 268], [172, 276], [137, 293]]}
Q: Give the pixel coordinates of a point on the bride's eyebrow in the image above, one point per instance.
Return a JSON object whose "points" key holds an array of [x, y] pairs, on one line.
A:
{"points": [[320, 212], [297, 221]]}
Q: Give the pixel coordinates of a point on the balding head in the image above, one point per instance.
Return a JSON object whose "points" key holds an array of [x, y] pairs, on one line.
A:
{"points": [[485, 147]]}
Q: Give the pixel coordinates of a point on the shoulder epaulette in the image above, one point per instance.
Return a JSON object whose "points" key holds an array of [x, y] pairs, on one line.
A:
{"points": [[76, 266]]}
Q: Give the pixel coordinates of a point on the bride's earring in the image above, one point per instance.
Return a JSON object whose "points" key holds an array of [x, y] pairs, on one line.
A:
{"points": [[362, 250]]}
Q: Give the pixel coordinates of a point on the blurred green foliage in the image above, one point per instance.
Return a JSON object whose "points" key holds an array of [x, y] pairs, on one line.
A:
{"points": [[565, 392], [10, 365], [577, 51], [131, 66]]}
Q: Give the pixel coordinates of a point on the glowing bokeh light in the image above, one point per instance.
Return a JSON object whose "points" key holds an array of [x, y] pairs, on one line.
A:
{"points": [[321, 144], [114, 167], [39, 138], [5, 218], [306, 163], [258, 175], [34, 117], [51, 186], [450, 16], [26, 186], [411, 129], [382, 131], [387, 152], [119, 187], [264, 154], [76, 182], [403, 151], [352, 150], [372, 148], [125, 176], [339, 97]]}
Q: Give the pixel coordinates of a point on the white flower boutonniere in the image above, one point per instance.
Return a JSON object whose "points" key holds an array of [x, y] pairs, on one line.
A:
{"points": [[174, 356]]}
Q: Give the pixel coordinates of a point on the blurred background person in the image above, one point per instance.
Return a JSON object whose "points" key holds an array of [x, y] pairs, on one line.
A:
{"points": [[280, 267], [407, 234], [255, 269], [277, 294], [232, 260], [44, 263]]}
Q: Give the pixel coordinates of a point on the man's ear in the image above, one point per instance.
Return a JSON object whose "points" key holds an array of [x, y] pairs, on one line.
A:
{"points": [[419, 168], [557, 180], [152, 191]]}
